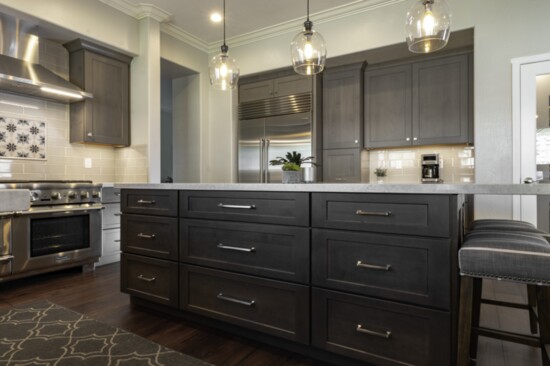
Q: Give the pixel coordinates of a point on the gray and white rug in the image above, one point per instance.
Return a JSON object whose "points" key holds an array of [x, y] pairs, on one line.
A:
{"points": [[44, 334]]}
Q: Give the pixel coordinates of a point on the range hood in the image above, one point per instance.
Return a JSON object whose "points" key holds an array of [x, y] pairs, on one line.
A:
{"points": [[20, 71]]}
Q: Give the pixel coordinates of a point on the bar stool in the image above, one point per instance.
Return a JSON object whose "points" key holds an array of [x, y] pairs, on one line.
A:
{"points": [[499, 249]]}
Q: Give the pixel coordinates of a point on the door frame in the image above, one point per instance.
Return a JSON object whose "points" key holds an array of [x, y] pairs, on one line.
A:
{"points": [[524, 72]]}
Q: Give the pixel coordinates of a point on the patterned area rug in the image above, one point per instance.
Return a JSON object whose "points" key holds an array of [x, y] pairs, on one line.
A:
{"points": [[43, 334]]}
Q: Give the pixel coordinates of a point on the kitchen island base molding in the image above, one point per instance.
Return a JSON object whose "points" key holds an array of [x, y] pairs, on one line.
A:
{"points": [[337, 277]]}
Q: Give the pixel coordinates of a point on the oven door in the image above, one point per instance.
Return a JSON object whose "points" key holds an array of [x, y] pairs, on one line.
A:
{"points": [[56, 236]]}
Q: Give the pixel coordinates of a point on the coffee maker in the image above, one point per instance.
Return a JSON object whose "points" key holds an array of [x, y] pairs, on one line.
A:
{"points": [[430, 168]]}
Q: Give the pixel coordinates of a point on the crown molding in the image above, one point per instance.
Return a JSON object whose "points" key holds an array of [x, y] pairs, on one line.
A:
{"points": [[294, 25], [184, 36], [140, 11], [146, 10]]}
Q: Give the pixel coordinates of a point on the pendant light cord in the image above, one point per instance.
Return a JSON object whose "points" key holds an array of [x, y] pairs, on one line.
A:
{"points": [[307, 10], [224, 22]]}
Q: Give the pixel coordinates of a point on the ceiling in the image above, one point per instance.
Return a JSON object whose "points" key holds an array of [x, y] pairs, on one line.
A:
{"points": [[242, 16]]}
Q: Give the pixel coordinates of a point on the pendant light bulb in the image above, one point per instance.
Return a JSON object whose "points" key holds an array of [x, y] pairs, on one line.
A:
{"points": [[224, 72], [308, 50], [428, 26]]}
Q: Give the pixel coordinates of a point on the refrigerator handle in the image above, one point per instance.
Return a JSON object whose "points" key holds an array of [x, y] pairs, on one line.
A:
{"points": [[266, 179], [262, 160]]}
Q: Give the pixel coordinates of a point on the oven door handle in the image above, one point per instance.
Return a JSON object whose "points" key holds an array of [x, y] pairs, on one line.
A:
{"points": [[54, 210]]}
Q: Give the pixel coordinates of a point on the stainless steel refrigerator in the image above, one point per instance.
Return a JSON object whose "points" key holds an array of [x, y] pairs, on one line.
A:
{"points": [[266, 138]]}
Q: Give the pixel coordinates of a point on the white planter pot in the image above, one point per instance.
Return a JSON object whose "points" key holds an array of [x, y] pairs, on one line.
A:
{"points": [[291, 176]]}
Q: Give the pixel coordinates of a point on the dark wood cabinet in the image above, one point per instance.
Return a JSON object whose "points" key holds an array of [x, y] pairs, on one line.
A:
{"points": [[276, 87], [357, 277], [343, 107], [420, 103], [104, 119], [342, 166], [388, 107], [274, 251], [380, 332], [273, 307]]}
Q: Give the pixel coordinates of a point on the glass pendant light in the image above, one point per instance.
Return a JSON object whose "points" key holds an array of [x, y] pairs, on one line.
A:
{"points": [[308, 50], [428, 26], [224, 72]]}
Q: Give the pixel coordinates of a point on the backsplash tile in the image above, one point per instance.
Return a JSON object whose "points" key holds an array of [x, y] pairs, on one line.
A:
{"points": [[404, 164]]}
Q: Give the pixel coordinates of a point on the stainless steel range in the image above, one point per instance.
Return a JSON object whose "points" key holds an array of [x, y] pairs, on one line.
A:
{"points": [[61, 229]]}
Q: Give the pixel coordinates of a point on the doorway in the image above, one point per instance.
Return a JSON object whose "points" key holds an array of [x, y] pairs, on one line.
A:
{"points": [[180, 106], [531, 135]]}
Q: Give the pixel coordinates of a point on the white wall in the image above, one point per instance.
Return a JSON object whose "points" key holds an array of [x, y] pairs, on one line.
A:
{"points": [[186, 127]]}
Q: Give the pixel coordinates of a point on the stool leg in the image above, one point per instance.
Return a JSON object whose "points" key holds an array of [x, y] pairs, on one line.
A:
{"points": [[532, 302], [476, 312], [465, 320], [543, 304]]}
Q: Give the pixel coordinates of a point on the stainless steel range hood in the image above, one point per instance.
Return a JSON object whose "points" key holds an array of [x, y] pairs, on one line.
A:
{"points": [[20, 71]]}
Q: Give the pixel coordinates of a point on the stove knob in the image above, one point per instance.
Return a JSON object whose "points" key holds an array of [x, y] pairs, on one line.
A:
{"points": [[71, 194], [34, 196], [55, 195], [84, 194], [95, 194]]}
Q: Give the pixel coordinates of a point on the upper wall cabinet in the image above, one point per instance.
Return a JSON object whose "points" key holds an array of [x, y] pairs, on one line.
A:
{"points": [[422, 103], [278, 87], [343, 107], [104, 119]]}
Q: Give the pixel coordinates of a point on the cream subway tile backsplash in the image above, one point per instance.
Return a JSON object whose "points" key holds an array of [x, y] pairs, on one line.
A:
{"points": [[404, 164]]}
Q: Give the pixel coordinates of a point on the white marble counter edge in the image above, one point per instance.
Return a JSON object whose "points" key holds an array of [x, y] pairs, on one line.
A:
{"points": [[488, 189]]}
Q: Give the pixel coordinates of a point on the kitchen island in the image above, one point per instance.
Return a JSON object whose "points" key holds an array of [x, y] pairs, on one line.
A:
{"points": [[341, 272]]}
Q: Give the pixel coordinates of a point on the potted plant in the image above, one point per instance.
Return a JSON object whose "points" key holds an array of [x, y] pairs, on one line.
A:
{"points": [[380, 174], [291, 163]]}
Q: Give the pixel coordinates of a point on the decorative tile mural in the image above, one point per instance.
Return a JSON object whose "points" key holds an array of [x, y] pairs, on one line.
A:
{"points": [[22, 139]]}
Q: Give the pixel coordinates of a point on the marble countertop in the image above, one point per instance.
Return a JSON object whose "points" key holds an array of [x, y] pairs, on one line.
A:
{"points": [[438, 188], [14, 200]]}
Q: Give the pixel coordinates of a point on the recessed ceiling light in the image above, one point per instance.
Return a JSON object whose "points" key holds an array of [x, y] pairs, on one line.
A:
{"points": [[216, 17]]}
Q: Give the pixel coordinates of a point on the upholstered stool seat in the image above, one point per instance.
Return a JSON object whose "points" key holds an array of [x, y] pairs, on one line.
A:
{"points": [[504, 225], [501, 249]]}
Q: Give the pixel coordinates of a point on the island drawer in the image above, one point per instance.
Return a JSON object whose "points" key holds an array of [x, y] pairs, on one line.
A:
{"points": [[277, 308], [152, 236], [286, 208], [413, 214], [380, 332], [280, 252], [149, 202], [151, 279], [409, 269]]}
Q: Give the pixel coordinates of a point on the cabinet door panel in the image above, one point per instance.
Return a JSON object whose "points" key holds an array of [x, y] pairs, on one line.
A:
{"points": [[388, 107], [440, 101], [255, 91], [342, 165], [294, 84], [343, 108]]}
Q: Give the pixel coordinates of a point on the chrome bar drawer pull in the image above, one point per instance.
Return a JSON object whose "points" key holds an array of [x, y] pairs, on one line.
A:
{"points": [[118, 214], [221, 296], [146, 279], [146, 202], [360, 329], [145, 236], [244, 207], [372, 213], [239, 249], [373, 266]]}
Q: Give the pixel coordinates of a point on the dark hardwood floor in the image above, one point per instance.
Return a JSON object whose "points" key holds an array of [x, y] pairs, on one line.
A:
{"points": [[97, 295]]}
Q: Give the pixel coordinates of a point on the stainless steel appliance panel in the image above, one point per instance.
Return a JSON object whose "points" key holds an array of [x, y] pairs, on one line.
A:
{"points": [[251, 148], [24, 261], [283, 134], [265, 139], [6, 257]]}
